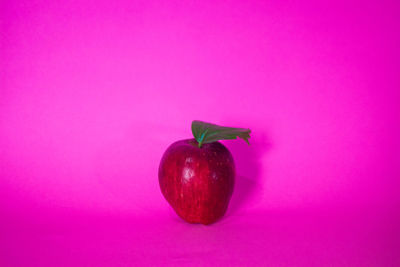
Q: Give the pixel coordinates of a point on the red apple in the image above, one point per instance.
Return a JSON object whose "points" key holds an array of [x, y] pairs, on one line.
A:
{"points": [[197, 182], [197, 176]]}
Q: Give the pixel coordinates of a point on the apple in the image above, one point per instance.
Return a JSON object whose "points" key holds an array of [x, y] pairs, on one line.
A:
{"points": [[197, 175]]}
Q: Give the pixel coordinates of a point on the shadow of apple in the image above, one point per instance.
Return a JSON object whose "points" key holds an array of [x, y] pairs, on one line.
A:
{"points": [[248, 162]]}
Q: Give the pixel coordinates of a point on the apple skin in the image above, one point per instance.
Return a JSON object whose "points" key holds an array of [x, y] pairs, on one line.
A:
{"points": [[197, 182]]}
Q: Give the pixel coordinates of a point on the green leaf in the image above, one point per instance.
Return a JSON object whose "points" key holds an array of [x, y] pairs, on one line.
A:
{"points": [[205, 132]]}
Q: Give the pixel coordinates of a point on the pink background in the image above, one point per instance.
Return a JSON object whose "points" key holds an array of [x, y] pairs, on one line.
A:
{"points": [[93, 92]]}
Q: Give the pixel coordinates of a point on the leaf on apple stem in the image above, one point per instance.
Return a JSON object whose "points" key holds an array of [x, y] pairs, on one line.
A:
{"points": [[205, 132]]}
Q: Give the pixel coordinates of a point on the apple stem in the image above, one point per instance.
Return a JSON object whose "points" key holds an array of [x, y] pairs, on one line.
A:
{"points": [[202, 138]]}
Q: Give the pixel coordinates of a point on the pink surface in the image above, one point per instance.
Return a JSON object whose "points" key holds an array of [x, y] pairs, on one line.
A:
{"points": [[92, 93]]}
